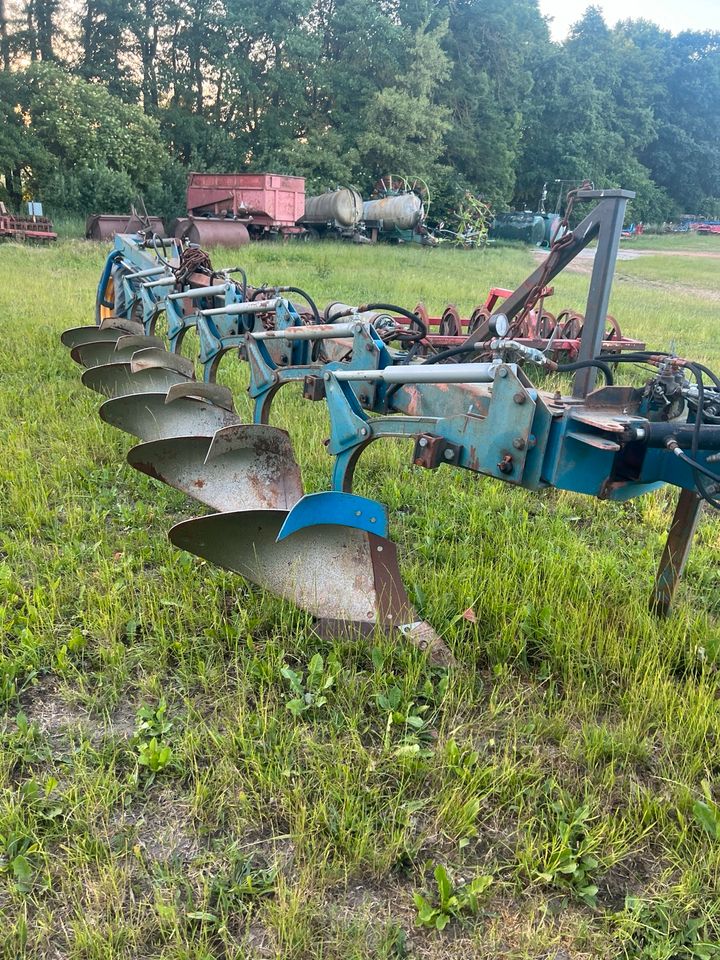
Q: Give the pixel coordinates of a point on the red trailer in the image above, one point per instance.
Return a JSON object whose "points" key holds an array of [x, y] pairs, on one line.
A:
{"points": [[227, 208]]}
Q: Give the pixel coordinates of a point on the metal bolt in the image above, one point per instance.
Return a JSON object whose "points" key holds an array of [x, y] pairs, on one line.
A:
{"points": [[506, 464], [519, 443], [449, 454], [369, 347], [422, 442], [713, 458], [502, 372], [363, 431], [519, 397]]}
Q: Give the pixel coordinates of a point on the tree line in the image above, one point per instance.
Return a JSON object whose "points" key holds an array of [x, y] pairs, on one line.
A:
{"points": [[118, 98]]}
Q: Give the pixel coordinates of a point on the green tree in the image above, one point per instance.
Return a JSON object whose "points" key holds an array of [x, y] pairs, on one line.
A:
{"points": [[492, 46], [403, 125]]}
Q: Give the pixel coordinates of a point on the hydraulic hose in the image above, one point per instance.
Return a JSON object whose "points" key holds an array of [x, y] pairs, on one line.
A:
{"points": [[242, 273], [453, 352], [393, 308], [582, 364], [308, 298]]}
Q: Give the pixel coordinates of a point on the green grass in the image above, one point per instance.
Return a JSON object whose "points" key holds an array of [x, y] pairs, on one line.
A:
{"points": [[689, 241], [566, 750], [685, 271]]}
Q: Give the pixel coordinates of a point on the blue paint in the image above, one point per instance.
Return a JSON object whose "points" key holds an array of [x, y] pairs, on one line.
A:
{"points": [[336, 509]]}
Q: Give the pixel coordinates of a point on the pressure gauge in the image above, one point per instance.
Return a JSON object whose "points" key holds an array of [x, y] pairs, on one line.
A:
{"points": [[499, 325]]}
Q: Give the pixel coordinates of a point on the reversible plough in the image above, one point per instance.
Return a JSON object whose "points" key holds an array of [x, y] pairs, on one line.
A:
{"points": [[469, 405]]}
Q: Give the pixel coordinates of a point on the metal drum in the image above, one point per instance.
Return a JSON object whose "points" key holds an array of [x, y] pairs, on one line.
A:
{"points": [[104, 226], [216, 233]]}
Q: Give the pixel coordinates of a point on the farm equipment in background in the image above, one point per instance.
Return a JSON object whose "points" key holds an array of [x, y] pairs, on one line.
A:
{"points": [[557, 337], [335, 213], [34, 227], [105, 226], [520, 226], [693, 223], [329, 552], [227, 209], [471, 224], [397, 211]]}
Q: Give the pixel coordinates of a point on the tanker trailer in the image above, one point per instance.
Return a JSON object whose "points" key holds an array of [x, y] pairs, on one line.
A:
{"points": [[395, 217], [522, 226], [334, 213]]}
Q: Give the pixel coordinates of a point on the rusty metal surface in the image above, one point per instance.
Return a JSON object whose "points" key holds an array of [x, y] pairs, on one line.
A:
{"points": [[148, 416], [213, 392], [271, 199], [676, 551], [331, 571], [150, 358], [104, 226], [216, 233], [242, 467]]}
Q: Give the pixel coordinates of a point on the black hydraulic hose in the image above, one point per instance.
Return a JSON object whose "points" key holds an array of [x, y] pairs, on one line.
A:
{"points": [[715, 379], [631, 357], [224, 274], [452, 352], [244, 280], [582, 364], [306, 296], [700, 468], [393, 308]]}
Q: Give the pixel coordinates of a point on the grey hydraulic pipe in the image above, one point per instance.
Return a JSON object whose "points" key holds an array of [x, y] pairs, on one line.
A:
{"points": [[200, 292], [317, 331], [425, 373], [252, 306], [141, 274]]}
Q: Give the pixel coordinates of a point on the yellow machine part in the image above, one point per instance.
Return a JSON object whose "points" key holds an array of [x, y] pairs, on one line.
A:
{"points": [[108, 295]]}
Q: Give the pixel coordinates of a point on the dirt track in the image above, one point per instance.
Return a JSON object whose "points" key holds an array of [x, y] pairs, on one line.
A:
{"points": [[583, 264]]}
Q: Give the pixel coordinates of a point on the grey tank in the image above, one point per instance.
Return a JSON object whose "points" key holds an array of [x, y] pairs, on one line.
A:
{"points": [[400, 212], [344, 206]]}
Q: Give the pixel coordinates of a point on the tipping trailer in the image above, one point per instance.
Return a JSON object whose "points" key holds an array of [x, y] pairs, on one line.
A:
{"points": [[228, 209]]}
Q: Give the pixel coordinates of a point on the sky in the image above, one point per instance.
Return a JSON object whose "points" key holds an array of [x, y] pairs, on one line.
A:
{"points": [[674, 15]]}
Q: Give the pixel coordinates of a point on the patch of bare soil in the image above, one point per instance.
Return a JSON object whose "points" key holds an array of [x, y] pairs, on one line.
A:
{"points": [[162, 829], [44, 704]]}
